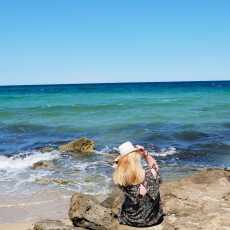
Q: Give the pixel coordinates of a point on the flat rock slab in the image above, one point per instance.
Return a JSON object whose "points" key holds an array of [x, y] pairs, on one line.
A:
{"points": [[53, 225], [201, 201]]}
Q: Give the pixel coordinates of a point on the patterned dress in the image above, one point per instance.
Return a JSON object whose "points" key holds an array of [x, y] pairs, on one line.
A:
{"points": [[142, 211]]}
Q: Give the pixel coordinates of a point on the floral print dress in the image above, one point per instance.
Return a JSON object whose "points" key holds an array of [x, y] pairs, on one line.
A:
{"points": [[142, 211]]}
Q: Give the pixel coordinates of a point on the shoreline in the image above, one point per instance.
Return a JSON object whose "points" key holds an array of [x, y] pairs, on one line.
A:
{"points": [[25, 225], [17, 226], [51, 204], [41, 204]]}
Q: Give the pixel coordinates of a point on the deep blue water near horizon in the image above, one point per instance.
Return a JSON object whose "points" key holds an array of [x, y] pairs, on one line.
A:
{"points": [[186, 123]]}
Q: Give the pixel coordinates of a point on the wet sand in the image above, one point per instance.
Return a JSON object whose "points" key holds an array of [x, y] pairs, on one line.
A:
{"points": [[19, 212], [24, 225], [16, 226]]}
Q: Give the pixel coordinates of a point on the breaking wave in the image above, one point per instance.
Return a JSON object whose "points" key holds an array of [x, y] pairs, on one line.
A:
{"points": [[25, 160], [165, 152]]}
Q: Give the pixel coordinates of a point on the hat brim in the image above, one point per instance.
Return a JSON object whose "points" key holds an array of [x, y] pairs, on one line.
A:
{"points": [[135, 149], [122, 155]]}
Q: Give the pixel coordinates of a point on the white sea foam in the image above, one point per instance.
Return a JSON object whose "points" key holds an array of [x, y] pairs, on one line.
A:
{"points": [[161, 153], [25, 160], [165, 152], [107, 149]]}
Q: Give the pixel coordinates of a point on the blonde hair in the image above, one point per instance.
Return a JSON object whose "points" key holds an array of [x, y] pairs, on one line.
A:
{"points": [[129, 170]]}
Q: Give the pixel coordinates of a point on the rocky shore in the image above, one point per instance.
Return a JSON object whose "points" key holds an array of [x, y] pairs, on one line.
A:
{"points": [[200, 201]]}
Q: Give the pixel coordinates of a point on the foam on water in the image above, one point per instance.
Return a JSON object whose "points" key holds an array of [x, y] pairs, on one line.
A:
{"points": [[160, 153], [165, 152], [25, 160], [106, 150], [85, 174]]}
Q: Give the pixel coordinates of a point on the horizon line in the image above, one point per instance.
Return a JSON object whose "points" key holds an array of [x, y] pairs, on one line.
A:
{"points": [[125, 82]]}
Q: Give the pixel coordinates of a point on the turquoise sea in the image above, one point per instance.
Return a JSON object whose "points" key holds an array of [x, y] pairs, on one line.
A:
{"points": [[185, 125]]}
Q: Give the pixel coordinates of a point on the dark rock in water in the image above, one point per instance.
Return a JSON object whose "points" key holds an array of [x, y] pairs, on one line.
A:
{"points": [[46, 149], [85, 211], [43, 165], [53, 225], [82, 145]]}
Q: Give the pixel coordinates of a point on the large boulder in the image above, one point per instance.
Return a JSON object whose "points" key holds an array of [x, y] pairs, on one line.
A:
{"points": [[82, 145], [114, 200], [85, 211]]}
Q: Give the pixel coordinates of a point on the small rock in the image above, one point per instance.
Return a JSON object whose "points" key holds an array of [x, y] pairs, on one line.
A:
{"points": [[62, 181], [53, 225], [82, 145], [46, 149], [43, 165], [45, 181]]}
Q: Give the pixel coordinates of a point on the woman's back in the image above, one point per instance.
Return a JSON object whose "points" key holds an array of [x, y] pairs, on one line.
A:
{"points": [[142, 211], [142, 204]]}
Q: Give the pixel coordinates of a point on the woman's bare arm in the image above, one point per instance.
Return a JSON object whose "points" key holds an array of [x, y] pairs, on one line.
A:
{"points": [[151, 161]]}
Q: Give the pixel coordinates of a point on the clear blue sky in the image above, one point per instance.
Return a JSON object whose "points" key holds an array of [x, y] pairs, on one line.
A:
{"points": [[64, 41]]}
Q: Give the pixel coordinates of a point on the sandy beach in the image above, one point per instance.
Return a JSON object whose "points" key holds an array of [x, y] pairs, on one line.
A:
{"points": [[27, 225], [20, 212], [16, 226]]}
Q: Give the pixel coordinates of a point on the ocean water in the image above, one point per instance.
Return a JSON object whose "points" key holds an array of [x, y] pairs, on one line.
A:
{"points": [[185, 125]]}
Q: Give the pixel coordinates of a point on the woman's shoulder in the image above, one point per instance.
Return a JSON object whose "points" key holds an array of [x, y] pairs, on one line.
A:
{"points": [[152, 175]]}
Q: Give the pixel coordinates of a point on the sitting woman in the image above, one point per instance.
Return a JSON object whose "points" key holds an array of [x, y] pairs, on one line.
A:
{"points": [[142, 204]]}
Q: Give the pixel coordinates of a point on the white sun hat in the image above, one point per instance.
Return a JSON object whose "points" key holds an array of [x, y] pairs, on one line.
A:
{"points": [[126, 148]]}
